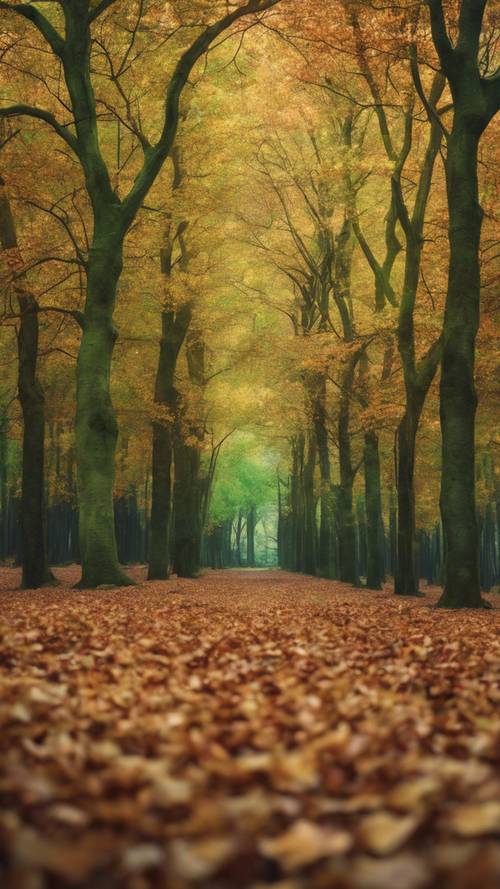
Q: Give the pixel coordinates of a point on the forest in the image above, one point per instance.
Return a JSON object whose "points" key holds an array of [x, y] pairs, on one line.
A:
{"points": [[249, 491]]}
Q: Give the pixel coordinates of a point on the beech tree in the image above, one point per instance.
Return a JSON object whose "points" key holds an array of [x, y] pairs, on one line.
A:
{"points": [[476, 99], [96, 425], [35, 567]]}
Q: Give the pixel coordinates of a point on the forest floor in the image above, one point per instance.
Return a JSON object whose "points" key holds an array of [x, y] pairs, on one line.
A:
{"points": [[243, 730]]}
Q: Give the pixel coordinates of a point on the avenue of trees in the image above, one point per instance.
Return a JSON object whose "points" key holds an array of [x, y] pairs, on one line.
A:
{"points": [[249, 280]]}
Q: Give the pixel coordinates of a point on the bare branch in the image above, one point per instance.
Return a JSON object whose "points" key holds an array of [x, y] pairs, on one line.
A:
{"points": [[41, 114]]}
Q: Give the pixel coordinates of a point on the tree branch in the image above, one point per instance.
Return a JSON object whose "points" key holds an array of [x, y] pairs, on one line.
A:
{"points": [[33, 15], [469, 26], [99, 9], [46, 116], [429, 105], [155, 156], [440, 37]]}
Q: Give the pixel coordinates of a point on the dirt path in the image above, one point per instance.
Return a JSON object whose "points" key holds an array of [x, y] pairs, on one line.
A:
{"points": [[246, 729]]}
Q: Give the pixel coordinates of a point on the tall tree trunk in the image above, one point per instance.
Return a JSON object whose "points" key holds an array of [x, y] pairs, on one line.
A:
{"points": [[238, 532], [297, 504], [35, 568], [96, 426], [3, 487], [189, 485], [458, 399], [174, 328], [476, 99], [418, 374], [325, 558], [309, 540], [406, 581], [251, 519], [375, 571], [187, 517], [346, 519]]}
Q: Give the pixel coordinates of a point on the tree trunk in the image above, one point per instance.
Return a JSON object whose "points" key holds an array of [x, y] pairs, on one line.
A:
{"points": [[174, 328], [309, 540], [296, 504], [187, 517], [35, 568], [406, 582], [457, 393], [3, 487], [346, 519], [238, 532], [324, 560], [375, 573], [347, 529], [189, 487], [161, 503], [96, 426], [251, 518]]}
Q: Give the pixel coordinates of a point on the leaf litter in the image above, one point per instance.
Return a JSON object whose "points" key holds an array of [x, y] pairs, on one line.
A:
{"points": [[246, 730]]}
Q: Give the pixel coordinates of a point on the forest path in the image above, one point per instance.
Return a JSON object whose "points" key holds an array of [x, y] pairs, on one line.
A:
{"points": [[243, 728]]}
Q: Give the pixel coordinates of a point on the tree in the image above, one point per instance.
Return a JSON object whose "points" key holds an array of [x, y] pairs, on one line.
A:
{"points": [[36, 571], [96, 425], [418, 371], [476, 99], [175, 323]]}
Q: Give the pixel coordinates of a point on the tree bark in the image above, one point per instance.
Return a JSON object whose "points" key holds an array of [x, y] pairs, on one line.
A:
{"points": [[96, 425], [35, 567], [251, 519], [346, 518], [309, 540], [187, 517], [406, 581], [476, 99], [189, 485], [174, 328], [458, 400], [375, 572], [325, 558]]}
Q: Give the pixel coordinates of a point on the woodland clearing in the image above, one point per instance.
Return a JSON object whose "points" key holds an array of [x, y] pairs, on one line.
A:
{"points": [[246, 729]]}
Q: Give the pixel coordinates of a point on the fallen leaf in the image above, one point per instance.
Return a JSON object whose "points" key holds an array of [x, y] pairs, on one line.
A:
{"points": [[475, 819], [383, 833], [303, 843]]}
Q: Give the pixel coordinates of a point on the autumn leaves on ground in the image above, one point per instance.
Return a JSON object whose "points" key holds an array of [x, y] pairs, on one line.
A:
{"points": [[247, 729]]}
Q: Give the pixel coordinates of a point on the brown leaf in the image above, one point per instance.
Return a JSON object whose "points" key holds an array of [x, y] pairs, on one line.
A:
{"points": [[304, 843], [475, 819], [383, 833]]}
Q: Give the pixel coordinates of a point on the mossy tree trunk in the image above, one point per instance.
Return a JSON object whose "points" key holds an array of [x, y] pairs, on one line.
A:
{"points": [[187, 517], [96, 425], [375, 571], [251, 522], [189, 484], [174, 328], [309, 541], [35, 567], [346, 517], [406, 580], [3, 486], [325, 561], [475, 101], [418, 374]]}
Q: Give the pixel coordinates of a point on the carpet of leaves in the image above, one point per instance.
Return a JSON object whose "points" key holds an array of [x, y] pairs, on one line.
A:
{"points": [[244, 730]]}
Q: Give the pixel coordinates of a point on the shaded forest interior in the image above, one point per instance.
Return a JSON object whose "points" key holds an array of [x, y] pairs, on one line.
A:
{"points": [[241, 315]]}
